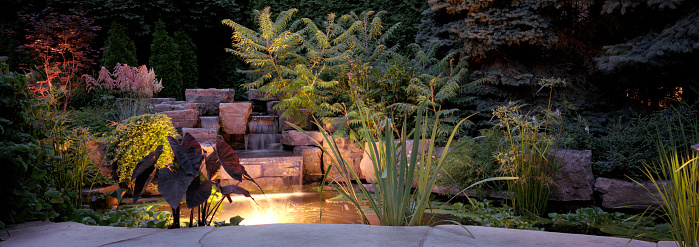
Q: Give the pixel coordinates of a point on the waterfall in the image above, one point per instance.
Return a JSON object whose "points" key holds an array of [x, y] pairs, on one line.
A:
{"points": [[263, 133]]}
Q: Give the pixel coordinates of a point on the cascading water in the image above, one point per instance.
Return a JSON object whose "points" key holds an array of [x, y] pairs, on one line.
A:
{"points": [[263, 133]]}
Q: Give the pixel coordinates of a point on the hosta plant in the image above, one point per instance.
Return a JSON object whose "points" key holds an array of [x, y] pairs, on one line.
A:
{"points": [[193, 174]]}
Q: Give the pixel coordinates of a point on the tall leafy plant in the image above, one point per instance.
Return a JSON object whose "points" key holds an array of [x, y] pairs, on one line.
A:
{"points": [[295, 62], [192, 175], [24, 179]]}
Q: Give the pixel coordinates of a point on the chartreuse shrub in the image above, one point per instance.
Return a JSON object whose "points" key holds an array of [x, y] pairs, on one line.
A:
{"points": [[135, 137]]}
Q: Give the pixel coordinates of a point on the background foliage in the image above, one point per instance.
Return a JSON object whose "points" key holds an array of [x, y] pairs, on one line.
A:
{"points": [[119, 48], [165, 61]]}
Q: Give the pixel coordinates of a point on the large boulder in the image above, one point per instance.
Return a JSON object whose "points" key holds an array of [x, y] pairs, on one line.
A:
{"points": [[201, 134], [574, 181], [298, 138], [366, 165], [234, 117], [210, 99], [187, 118], [349, 151], [270, 106], [312, 162], [619, 193]]}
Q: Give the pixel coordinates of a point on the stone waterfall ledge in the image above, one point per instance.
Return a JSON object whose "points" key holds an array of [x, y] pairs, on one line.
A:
{"points": [[202, 135], [271, 173], [234, 117], [183, 118]]}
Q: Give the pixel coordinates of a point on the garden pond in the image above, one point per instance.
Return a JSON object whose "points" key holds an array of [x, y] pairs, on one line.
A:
{"points": [[305, 207]]}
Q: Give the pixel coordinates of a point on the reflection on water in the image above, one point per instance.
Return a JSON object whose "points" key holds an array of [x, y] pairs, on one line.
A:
{"points": [[300, 207]]}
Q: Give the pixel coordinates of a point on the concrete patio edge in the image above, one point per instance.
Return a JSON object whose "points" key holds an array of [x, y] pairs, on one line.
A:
{"points": [[298, 234]]}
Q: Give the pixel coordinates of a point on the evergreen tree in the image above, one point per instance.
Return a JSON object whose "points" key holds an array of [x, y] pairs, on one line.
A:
{"points": [[165, 61], [119, 48], [188, 60]]}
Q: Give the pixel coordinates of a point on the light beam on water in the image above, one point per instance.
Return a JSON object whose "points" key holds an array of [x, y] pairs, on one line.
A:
{"points": [[299, 207]]}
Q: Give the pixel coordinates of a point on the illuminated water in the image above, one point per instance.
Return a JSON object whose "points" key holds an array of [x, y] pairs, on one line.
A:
{"points": [[300, 207]]}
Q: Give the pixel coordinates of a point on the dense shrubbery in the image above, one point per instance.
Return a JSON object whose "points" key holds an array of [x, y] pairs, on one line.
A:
{"points": [[23, 183], [135, 138], [474, 161]]}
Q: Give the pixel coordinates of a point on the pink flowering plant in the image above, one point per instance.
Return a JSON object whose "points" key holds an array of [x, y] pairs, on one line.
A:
{"points": [[133, 87], [126, 81]]}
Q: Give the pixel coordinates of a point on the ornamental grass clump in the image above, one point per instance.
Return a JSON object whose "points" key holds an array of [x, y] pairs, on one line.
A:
{"points": [[135, 137], [675, 176], [529, 140]]}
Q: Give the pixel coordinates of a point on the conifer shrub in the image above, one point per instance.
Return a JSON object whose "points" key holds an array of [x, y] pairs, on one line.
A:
{"points": [[165, 60], [119, 48], [135, 137], [188, 60]]}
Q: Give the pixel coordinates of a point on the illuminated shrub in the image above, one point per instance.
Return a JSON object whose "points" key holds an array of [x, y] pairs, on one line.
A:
{"points": [[135, 137]]}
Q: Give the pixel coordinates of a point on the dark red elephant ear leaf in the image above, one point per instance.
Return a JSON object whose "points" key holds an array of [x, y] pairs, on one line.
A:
{"points": [[144, 171], [235, 189], [212, 166], [229, 160], [189, 154], [173, 185], [198, 192]]}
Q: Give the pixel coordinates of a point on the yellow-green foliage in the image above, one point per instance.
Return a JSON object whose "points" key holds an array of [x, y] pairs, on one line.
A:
{"points": [[135, 137]]}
